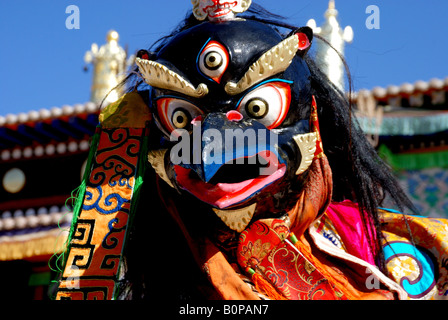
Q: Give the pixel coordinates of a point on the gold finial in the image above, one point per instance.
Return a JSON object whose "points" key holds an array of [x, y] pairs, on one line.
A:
{"points": [[331, 11], [110, 62], [112, 35], [330, 62]]}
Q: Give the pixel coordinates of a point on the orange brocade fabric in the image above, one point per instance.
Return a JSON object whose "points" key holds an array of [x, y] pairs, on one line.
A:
{"points": [[99, 231]]}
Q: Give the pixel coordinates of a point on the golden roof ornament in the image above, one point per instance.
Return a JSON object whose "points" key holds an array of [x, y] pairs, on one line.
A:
{"points": [[109, 65], [328, 60]]}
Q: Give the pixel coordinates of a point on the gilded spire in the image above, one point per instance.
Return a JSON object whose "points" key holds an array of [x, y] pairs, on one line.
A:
{"points": [[328, 60], [109, 65]]}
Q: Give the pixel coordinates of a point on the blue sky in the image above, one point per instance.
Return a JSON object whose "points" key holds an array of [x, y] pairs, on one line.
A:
{"points": [[41, 61]]}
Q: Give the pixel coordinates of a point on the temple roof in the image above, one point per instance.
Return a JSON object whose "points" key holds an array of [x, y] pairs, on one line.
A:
{"points": [[47, 131], [405, 110], [419, 94], [41, 145], [45, 114]]}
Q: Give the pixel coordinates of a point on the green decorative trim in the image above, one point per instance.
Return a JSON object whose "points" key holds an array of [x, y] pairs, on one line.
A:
{"points": [[414, 161], [77, 197], [293, 238]]}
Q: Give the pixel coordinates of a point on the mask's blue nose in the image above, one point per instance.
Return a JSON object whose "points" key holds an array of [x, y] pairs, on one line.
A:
{"points": [[223, 139]]}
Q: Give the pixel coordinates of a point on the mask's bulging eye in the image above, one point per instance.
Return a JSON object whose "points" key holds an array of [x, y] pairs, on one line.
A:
{"points": [[180, 119], [268, 104], [257, 108], [176, 113], [213, 60]]}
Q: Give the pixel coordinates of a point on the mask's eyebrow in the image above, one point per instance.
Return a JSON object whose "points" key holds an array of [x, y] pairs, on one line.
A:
{"points": [[272, 62], [159, 76]]}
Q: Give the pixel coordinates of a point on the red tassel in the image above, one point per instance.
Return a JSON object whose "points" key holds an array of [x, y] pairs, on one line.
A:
{"points": [[314, 123]]}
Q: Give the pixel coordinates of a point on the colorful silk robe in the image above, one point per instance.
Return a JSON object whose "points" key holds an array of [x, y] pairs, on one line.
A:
{"points": [[419, 264]]}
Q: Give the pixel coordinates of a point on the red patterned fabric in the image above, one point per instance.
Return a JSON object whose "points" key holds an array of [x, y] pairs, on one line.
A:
{"points": [[264, 248]]}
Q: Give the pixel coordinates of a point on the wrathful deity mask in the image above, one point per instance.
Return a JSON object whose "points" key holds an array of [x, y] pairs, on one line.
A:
{"points": [[234, 108]]}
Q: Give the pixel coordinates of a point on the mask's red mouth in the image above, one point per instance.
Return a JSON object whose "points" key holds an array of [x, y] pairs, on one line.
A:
{"points": [[224, 190]]}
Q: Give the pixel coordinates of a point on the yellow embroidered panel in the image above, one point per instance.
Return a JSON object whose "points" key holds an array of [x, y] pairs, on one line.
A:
{"points": [[422, 270]]}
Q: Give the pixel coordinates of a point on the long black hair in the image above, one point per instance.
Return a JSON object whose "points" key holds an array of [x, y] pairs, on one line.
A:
{"points": [[359, 174]]}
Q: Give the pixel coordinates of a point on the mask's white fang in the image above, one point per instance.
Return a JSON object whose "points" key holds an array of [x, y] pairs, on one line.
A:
{"points": [[307, 146]]}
